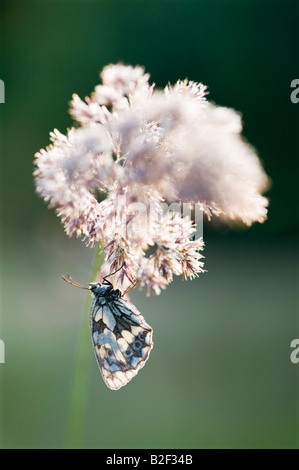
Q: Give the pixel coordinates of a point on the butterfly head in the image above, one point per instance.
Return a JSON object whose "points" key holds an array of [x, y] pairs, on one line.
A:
{"points": [[104, 290], [99, 289]]}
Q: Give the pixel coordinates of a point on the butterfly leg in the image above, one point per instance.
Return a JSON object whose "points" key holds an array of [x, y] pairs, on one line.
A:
{"points": [[111, 274], [131, 286]]}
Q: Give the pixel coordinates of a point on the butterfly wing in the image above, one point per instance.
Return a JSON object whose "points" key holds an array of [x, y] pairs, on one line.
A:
{"points": [[122, 340]]}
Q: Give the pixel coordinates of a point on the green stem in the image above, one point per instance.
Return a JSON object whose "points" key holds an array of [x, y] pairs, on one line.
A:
{"points": [[79, 393]]}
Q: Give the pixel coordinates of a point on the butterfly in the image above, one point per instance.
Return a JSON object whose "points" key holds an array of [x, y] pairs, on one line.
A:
{"points": [[122, 339]]}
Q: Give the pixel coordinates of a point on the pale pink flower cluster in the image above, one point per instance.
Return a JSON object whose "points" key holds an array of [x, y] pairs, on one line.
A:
{"points": [[135, 147]]}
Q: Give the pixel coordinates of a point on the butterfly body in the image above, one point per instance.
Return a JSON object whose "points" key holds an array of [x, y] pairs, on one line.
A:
{"points": [[122, 339], [104, 292]]}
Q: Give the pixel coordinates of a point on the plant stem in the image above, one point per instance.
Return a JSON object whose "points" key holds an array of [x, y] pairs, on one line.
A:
{"points": [[78, 397]]}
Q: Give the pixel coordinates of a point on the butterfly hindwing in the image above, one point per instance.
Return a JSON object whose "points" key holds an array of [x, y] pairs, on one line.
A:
{"points": [[122, 340]]}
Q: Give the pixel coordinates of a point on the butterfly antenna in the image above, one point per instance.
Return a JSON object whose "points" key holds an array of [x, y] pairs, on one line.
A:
{"points": [[71, 281]]}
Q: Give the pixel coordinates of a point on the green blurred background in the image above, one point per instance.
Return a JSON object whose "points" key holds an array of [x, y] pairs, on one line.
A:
{"points": [[220, 373]]}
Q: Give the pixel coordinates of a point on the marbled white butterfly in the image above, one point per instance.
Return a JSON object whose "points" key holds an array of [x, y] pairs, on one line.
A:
{"points": [[121, 337]]}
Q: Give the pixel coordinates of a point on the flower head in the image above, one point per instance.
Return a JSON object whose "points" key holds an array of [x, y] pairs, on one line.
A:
{"points": [[136, 147]]}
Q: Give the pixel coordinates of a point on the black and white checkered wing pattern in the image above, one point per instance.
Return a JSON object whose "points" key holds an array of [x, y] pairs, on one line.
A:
{"points": [[122, 340]]}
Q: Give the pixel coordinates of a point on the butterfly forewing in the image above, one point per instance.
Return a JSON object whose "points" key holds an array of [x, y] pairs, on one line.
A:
{"points": [[121, 337]]}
